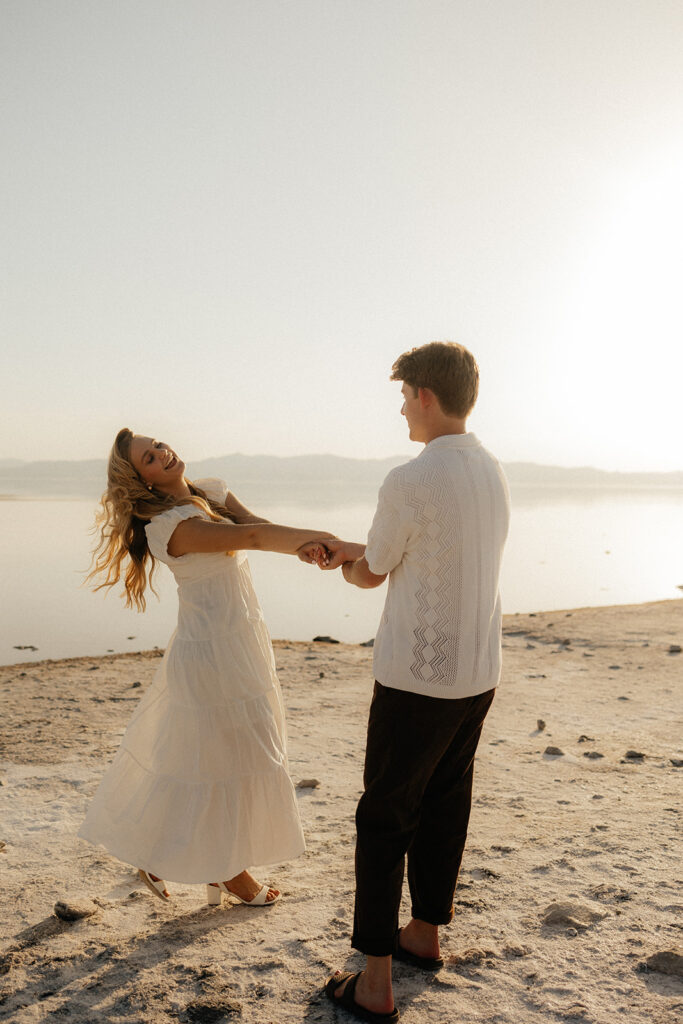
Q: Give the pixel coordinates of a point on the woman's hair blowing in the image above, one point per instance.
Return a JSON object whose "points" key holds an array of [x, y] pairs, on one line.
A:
{"points": [[125, 507]]}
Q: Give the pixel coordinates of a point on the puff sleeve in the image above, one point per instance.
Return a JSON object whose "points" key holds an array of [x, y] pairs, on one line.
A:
{"points": [[160, 529], [213, 487]]}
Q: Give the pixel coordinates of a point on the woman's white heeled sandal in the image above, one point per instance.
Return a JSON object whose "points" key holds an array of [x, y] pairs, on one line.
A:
{"points": [[214, 890], [213, 895], [158, 887]]}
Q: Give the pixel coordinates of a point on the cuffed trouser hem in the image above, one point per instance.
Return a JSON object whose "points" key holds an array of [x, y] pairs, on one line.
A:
{"points": [[422, 914], [378, 947]]}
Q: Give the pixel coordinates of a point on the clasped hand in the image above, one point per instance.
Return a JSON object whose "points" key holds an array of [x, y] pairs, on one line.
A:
{"points": [[331, 554]]}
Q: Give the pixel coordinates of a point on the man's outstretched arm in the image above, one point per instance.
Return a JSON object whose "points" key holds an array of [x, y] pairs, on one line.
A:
{"points": [[354, 566]]}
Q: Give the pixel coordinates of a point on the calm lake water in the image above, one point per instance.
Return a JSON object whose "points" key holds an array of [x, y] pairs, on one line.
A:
{"points": [[566, 550]]}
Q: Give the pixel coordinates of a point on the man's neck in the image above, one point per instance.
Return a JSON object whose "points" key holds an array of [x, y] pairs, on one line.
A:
{"points": [[445, 427]]}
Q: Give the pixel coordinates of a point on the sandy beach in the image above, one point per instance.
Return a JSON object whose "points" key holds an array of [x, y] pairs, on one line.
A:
{"points": [[569, 902]]}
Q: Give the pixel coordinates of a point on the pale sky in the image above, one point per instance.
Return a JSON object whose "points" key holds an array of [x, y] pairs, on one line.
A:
{"points": [[223, 221]]}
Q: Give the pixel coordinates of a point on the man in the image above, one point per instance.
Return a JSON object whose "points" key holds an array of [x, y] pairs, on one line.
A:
{"points": [[438, 532]]}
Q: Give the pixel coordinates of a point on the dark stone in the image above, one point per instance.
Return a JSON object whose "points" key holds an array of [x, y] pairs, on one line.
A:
{"points": [[324, 640], [74, 911], [667, 961]]}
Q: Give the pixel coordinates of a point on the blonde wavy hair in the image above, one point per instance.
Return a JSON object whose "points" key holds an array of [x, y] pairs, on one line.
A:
{"points": [[125, 507]]}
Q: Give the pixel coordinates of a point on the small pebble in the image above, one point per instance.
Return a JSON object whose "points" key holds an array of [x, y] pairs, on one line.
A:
{"points": [[554, 751], [540, 724], [308, 784], [634, 755], [593, 755], [324, 640], [674, 649]]}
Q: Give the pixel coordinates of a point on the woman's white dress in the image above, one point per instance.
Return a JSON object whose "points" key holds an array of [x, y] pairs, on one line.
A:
{"points": [[199, 788]]}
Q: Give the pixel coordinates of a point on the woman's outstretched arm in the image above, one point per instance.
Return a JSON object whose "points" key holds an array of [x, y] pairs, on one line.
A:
{"points": [[240, 513], [204, 536]]}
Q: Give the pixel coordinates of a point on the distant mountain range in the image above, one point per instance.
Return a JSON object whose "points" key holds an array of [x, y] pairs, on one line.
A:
{"points": [[301, 478]]}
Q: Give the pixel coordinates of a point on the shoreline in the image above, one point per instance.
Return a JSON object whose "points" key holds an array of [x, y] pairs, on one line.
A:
{"points": [[509, 620], [569, 885]]}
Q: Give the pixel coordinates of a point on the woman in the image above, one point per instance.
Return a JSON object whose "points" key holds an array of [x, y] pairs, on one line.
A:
{"points": [[199, 788]]}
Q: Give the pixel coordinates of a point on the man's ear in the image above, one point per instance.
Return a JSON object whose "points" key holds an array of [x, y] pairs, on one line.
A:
{"points": [[426, 396]]}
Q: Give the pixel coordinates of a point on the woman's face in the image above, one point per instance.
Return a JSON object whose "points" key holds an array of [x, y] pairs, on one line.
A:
{"points": [[156, 463]]}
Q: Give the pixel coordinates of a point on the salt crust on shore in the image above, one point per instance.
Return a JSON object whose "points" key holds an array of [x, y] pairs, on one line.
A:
{"points": [[593, 836]]}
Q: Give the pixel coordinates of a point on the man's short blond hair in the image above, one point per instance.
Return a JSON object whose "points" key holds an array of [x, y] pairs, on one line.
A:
{"points": [[447, 369]]}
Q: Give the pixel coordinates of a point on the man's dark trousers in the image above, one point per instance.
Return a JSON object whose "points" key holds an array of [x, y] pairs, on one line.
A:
{"points": [[419, 767]]}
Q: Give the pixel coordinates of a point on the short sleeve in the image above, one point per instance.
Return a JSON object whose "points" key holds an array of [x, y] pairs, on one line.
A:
{"points": [[160, 529], [391, 527], [213, 487]]}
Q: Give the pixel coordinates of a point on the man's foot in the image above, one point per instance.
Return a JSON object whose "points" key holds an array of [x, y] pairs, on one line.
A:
{"points": [[360, 997], [420, 938], [246, 887]]}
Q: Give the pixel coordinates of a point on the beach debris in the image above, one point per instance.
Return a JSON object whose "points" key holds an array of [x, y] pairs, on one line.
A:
{"points": [[634, 755], [531, 647], [368, 643], [594, 755], [677, 762], [614, 668], [25, 647], [93, 668], [675, 648], [74, 911], [324, 640], [135, 685], [554, 752], [571, 915], [586, 739], [308, 784], [666, 961], [213, 1010], [610, 893], [540, 724], [321, 675], [3, 845]]}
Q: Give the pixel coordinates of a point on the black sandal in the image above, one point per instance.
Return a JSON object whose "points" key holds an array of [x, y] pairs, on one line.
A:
{"points": [[348, 1001]]}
